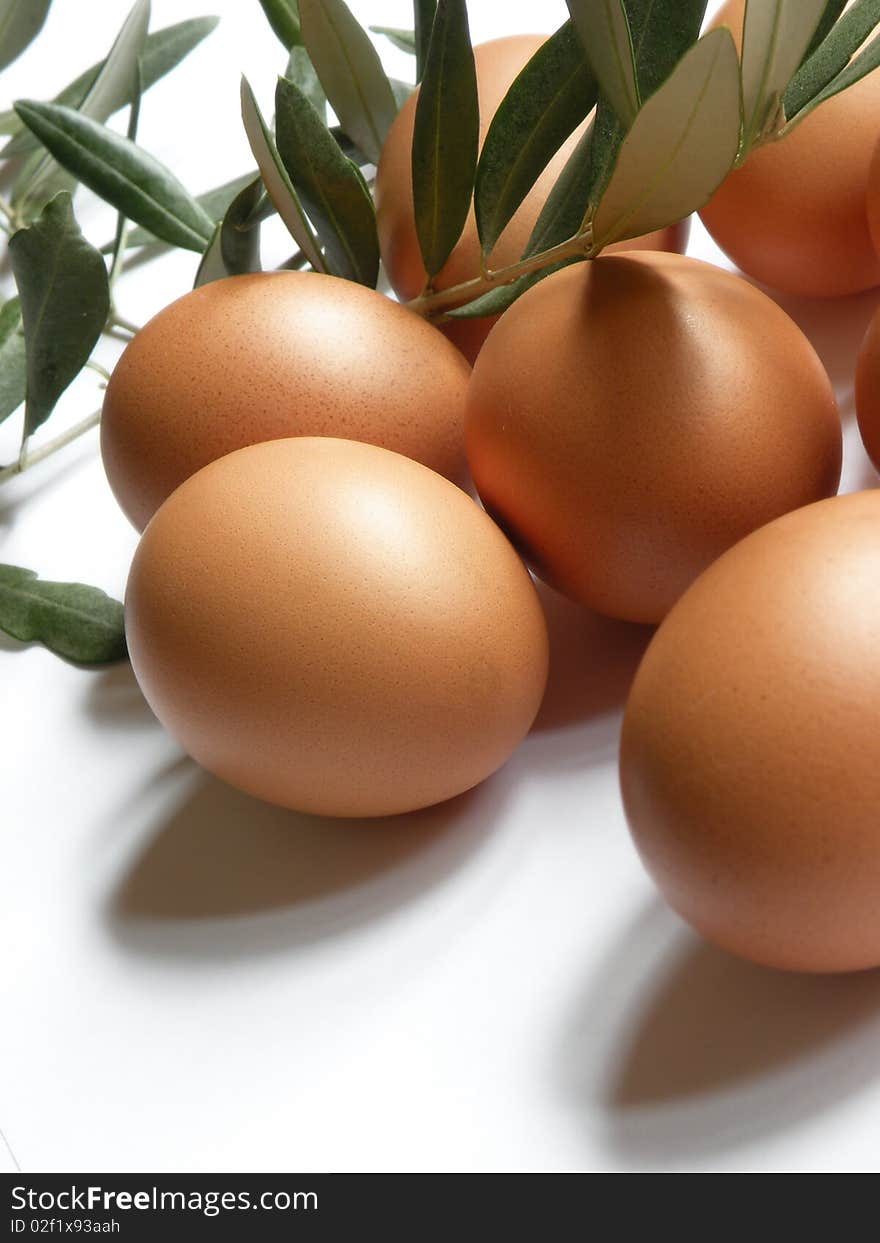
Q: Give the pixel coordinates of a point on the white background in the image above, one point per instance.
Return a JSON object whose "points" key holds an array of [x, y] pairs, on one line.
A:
{"points": [[195, 981]]}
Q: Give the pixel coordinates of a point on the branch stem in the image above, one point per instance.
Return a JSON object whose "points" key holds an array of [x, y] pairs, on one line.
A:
{"points": [[28, 459], [118, 321], [429, 304]]}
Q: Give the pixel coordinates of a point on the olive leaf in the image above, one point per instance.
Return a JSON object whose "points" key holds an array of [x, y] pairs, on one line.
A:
{"points": [[235, 247], [603, 26], [547, 102], [833, 10], [112, 81], [122, 173], [163, 51], [65, 299], [808, 87], [283, 17], [424, 12], [859, 67], [680, 147], [301, 72], [80, 623], [403, 40], [446, 136], [776, 35], [276, 180], [350, 71], [211, 266], [560, 219], [118, 252], [214, 202], [13, 373], [662, 31], [20, 23], [329, 185]]}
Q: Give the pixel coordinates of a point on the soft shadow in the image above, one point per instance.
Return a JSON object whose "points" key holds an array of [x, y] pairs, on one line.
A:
{"points": [[225, 874], [703, 1051], [113, 698], [593, 660]]}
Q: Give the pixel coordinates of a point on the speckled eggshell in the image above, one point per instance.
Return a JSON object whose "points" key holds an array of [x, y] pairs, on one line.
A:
{"points": [[794, 216], [253, 358], [867, 390], [335, 628], [749, 758], [631, 418], [497, 62]]}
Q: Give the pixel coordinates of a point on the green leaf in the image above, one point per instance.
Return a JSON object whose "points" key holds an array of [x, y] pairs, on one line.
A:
{"points": [[680, 148], [80, 623], [20, 23], [329, 185], [235, 246], [350, 71], [662, 31], [776, 35], [833, 10], [301, 72], [831, 58], [546, 103], [122, 223], [30, 205], [403, 40], [13, 366], [446, 136], [112, 82], [211, 266], [122, 173], [424, 12], [65, 299], [560, 219], [162, 52], [214, 202], [283, 17], [859, 67], [604, 30], [276, 180]]}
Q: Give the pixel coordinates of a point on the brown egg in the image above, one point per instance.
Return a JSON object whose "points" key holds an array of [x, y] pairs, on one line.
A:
{"points": [[335, 628], [874, 199], [631, 418], [498, 63], [794, 215], [750, 743], [868, 390], [254, 358]]}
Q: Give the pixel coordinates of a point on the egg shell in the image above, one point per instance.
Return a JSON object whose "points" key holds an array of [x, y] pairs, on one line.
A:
{"points": [[749, 757], [867, 390], [275, 354], [631, 418], [873, 199], [335, 628], [497, 63], [794, 216]]}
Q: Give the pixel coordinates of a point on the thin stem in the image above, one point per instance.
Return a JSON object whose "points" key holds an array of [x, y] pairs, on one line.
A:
{"points": [[119, 334], [118, 252], [102, 371], [117, 321], [456, 295], [7, 211], [27, 460]]}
